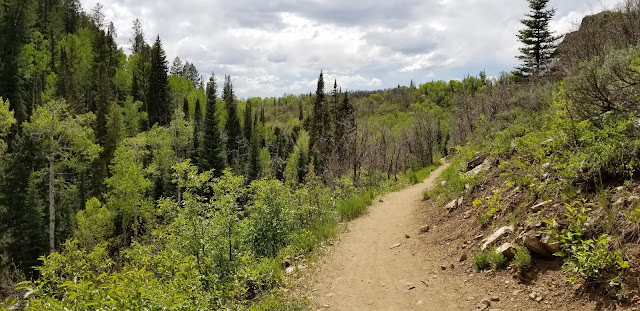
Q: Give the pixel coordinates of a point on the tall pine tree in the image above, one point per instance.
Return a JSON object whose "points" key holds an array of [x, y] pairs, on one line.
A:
{"points": [[212, 151], [233, 130], [539, 42], [141, 60], [185, 109], [158, 95], [197, 133], [248, 122], [319, 118]]}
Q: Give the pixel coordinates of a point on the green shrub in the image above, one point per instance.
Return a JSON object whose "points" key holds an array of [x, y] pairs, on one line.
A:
{"points": [[589, 261], [425, 195], [482, 259], [497, 259], [523, 259]]}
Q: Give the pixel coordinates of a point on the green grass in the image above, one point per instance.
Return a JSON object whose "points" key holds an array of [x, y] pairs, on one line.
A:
{"points": [[279, 302], [356, 205], [420, 175]]}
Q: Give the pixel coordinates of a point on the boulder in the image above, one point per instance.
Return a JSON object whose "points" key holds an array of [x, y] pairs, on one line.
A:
{"points": [[425, 229], [543, 245], [454, 204], [451, 205], [477, 160], [485, 166], [507, 249], [506, 230], [550, 243]]}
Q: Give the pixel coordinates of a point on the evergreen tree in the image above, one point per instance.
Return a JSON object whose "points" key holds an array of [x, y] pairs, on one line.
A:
{"points": [[262, 117], [177, 68], [197, 133], [185, 109], [105, 65], [233, 130], [190, 72], [137, 41], [539, 42], [212, 151], [158, 95], [71, 15], [141, 60], [248, 122], [14, 30], [345, 126], [319, 119], [254, 169], [300, 111], [24, 219]]}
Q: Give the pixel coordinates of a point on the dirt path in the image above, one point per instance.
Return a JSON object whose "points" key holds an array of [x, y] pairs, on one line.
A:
{"points": [[364, 272]]}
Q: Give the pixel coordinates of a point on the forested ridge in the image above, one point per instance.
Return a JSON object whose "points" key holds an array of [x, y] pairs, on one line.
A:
{"points": [[131, 182]]}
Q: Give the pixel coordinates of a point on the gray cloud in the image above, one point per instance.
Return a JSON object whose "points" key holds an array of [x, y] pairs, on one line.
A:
{"points": [[276, 47]]}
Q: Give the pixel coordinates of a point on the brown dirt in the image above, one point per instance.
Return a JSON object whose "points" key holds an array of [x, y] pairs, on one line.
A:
{"points": [[363, 272]]}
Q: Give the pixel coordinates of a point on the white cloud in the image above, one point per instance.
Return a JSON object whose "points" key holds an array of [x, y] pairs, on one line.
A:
{"points": [[280, 46]]}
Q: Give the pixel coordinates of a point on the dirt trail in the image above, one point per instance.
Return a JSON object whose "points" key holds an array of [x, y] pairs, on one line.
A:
{"points": [[363, 272]]}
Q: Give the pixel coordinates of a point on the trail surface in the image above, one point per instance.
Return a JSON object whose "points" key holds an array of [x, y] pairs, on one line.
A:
{"points": [[364, 271]]}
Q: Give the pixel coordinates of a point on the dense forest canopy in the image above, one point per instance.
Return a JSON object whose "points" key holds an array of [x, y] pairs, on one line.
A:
{"points": [[129, 181]]}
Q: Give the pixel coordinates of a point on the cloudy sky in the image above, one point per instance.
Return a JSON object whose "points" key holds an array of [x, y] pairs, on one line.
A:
{"points": [[273, 47]]}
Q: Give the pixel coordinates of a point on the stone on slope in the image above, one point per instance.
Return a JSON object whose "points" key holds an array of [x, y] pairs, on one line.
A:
{"points": [[543, 245], [506, 230], [477, 160]]}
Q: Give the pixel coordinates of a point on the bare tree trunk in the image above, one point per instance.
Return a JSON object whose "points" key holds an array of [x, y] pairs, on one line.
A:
{"points": [[52, 209]]}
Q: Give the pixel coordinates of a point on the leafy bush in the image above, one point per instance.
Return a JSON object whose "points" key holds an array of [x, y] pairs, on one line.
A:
{"points": [[590, 261], [95, 224], [606, 84], [269, 223]]}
